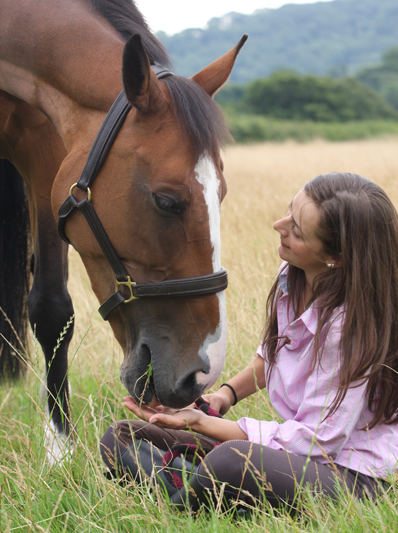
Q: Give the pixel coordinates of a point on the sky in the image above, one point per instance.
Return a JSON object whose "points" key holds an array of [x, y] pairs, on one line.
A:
{"points": [[173, 16]]}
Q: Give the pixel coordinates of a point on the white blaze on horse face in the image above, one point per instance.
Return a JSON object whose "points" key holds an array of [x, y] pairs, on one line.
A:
{"points": [[215, 345]]}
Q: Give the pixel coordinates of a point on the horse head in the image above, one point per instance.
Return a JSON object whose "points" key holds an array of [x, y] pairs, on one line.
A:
{"points": [[158, 197]]}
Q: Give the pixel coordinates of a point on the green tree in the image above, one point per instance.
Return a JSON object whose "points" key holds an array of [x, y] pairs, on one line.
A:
{"points": [[390, 60], [383, 78], [288, 95], [231, 94]]}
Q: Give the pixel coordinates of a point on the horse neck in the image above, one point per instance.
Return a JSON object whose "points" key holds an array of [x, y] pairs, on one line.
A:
{"points": [[22, 129], [60, 58]]}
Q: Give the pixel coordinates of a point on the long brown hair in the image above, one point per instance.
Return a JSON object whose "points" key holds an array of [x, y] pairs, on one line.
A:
{"points": [[359, 227]]}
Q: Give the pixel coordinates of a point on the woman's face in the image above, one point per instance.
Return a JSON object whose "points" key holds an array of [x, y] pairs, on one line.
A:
{"points": [[299, 245]]}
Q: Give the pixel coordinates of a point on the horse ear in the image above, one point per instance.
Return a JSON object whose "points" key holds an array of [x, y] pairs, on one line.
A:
{"points": [[216, 74], [140, 84]]}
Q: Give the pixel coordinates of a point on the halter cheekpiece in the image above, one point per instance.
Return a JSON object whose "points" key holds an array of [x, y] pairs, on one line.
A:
{"points": [[196, 286]]}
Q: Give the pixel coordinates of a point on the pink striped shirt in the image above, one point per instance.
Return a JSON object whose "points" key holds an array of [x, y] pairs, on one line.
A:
{"points": [[302, 400]]}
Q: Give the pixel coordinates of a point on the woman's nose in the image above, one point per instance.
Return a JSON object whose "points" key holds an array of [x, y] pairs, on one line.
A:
{"points": [[281, 226]]}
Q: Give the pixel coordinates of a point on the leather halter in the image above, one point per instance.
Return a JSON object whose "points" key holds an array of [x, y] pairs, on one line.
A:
{"points": [[196, 286]]}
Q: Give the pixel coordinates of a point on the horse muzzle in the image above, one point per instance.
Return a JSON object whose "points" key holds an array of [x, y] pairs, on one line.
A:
{"points": [[147, 376]]}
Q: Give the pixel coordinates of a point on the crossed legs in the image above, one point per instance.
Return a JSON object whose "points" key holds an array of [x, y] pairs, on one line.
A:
{"points": [[250, 472]]}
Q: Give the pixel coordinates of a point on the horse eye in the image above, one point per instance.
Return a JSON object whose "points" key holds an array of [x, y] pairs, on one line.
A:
{"points": [[167, 204]]}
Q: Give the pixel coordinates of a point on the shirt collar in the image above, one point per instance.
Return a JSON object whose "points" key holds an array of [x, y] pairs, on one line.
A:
{"points": [[283, 282], [310, 315], [310, 318]]}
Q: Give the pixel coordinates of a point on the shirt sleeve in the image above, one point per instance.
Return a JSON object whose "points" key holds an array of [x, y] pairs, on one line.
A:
{"points": [[311, 430]]}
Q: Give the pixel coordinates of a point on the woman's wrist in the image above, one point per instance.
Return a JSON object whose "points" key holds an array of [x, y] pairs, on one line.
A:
{"points": [[219, 429], [232, 391]]}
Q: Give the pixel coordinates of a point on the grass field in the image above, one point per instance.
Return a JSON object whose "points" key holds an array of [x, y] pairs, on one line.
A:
{"points": [[258, 128], [74, 496]]}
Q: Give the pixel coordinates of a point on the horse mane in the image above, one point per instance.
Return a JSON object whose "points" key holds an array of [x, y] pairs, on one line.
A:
{"points": [[197, 114]]}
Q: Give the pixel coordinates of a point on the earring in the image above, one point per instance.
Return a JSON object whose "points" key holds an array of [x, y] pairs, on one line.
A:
{"points": [[330, 265]]}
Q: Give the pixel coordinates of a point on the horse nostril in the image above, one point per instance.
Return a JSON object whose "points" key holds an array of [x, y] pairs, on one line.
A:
{"points": [[187, 383], [187, 389], [137, 376]]}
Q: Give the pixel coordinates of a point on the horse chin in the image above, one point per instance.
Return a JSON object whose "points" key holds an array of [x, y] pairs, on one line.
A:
{"points": [[154, 403], [146, 397], [143, 395]]}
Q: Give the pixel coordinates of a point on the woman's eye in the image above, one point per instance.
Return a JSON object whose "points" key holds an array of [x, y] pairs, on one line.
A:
{"points": [[167, 204], [293, 228]]}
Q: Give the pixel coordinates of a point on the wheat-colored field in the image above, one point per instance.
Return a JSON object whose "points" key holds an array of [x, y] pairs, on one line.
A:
{"points": [[262, 179]]}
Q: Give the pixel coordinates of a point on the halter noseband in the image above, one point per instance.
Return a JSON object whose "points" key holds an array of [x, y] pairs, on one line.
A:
{"points": [[196, 286]]}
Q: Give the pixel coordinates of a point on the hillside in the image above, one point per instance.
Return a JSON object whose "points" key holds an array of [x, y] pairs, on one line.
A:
{"points": [[337, 37]]}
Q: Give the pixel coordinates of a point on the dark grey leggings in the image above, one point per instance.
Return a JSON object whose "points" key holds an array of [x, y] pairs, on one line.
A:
{"points": [[251, 472]]}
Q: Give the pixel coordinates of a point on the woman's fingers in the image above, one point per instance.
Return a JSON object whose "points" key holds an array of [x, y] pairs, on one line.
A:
{"points": [[175, 419], [167, 421], [144, 411], [216, 402], [163, 416], [136, 409]]}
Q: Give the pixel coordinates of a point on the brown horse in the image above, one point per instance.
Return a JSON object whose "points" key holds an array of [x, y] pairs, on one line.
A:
{"points": [[157, 194]]}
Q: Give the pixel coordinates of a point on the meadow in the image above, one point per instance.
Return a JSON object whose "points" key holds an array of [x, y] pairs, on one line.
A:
{"points": [[75, 496]]}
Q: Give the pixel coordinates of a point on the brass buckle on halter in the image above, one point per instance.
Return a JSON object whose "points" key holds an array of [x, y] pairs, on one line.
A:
{"points": [[128, 284], [88, 191]]}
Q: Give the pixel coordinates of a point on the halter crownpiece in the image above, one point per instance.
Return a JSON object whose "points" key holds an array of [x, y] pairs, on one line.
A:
{"points": [[196, 286]]}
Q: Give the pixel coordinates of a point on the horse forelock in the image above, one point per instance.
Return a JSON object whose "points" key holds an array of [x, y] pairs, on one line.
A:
{"points": [[198, 115]]}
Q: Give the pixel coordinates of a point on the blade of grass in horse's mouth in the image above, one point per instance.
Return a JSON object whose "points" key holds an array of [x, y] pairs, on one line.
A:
{"points": [[149, 374], [149, 384]]}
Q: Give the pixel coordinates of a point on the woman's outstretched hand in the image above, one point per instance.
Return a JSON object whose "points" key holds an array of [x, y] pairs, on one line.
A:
{"points": [[165, 416], [193, 419]]}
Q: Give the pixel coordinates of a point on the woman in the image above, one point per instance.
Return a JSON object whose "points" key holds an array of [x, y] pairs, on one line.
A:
{"points": [[329, 359]]}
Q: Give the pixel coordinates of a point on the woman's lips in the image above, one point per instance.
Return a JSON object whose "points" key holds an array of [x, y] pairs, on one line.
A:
{"points": [[285, 245]]}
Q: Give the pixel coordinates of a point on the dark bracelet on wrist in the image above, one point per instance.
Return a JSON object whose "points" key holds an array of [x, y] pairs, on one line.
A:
{"points": [[233, 391]]}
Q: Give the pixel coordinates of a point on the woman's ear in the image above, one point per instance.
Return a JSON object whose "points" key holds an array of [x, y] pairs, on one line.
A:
{"points": [[333, 262]]}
